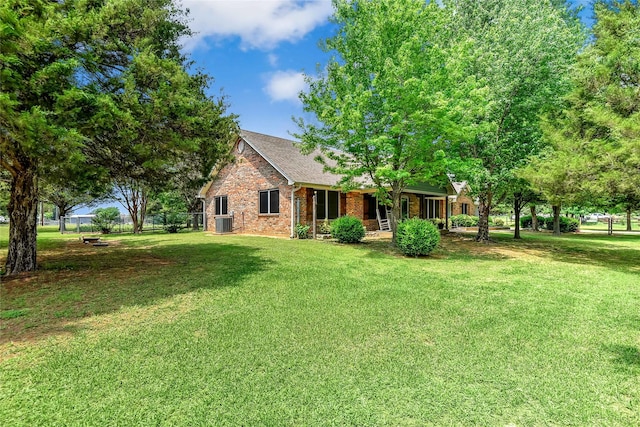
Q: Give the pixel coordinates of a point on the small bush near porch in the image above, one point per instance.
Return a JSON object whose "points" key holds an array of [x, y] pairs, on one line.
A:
{"points": [[417, 237], [194, 329]]}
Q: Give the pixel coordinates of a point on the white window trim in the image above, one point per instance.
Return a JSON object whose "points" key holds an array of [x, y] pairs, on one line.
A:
{"points": [[269, 201]]}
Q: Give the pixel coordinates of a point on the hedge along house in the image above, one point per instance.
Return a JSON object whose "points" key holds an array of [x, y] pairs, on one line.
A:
{"points": [[269, 187]]}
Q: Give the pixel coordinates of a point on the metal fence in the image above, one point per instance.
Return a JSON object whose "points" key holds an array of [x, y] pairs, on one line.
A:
{"points": [[84, 223]]}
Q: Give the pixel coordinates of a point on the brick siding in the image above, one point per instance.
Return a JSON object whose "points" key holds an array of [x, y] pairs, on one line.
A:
{"points": [[241, 182]]}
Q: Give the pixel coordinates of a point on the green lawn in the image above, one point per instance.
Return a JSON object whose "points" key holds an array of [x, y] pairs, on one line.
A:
{"points": [[617, 226], [194, 329]]}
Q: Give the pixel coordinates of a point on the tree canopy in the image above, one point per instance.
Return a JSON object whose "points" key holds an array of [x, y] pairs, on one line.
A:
{"points": [[97, 91], [523, 50], [595, 139], [382, 108]]}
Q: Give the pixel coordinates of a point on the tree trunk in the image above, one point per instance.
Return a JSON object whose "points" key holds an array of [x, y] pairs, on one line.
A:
{"points": [[396, 206], [23, 216], [63, 213], [517, 206], [135, 200], [484, 209], [144, 199], [196, 222], [534, 219], [628, 218], [556, 220]]}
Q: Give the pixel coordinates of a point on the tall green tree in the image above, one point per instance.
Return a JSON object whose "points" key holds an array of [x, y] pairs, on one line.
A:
{"points": [[598, 132], [558, 174], [606, 104], [382, 106], [174, 133], [523, 50], [80, 79]]}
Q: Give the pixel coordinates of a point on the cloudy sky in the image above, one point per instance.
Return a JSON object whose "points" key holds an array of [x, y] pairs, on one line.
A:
{"points": [[256, 50]]}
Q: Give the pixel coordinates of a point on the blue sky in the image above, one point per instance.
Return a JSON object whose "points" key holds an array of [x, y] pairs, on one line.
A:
{"points": [[257, 50]]}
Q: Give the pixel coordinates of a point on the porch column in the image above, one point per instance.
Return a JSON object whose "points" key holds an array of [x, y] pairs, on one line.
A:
{"points": [[446, 212]]}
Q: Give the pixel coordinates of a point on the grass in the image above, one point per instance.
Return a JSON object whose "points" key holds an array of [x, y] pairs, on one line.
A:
{"points": [[193, 329], [617, 226]]}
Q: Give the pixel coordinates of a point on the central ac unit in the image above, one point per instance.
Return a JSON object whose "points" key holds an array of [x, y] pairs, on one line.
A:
{"points": [[224, 224]]}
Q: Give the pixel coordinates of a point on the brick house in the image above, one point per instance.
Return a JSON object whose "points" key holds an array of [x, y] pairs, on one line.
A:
{"points": [[461, 203], [269, 186]]}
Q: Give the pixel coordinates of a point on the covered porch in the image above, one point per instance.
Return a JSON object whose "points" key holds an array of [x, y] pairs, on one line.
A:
{"points": [[423, 201]]}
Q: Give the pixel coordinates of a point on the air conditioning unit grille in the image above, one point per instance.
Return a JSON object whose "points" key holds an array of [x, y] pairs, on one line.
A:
{"points": [[224, 224]]}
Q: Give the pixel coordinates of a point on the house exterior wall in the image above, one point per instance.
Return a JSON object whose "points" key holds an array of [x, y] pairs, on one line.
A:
{"points": [[243, 179], [463, 197], [241, 182]]}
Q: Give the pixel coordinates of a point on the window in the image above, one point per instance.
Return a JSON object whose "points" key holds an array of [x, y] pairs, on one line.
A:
{"points": [[465, 209], [221, 205], [370, 206], [405, 208], [269, 201], [432, 208], [327, 204]]}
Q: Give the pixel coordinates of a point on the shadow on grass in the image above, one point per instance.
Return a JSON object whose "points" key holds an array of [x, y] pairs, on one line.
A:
{"points": [[627, 356], [593, 250], [77, 281]]}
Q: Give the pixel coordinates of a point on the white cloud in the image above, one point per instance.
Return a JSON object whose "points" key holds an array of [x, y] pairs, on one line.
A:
{"points": [[259, 23], [273, 59], [285, 86]]}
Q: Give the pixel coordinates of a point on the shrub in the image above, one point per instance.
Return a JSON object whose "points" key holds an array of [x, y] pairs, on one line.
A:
{"points": [[302, 231], [464, 220], [438, 222], [417, 237], [175, 221], [105, 218], [347, 229], [526, 221], [325, 227], [567, 225], [498, 222]]}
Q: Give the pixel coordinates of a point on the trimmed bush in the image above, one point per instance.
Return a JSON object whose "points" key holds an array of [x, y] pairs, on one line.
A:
{"points": [[417, 237], [498, 222], [526, 221], [464, 221], [347, 229], [567, 225]]}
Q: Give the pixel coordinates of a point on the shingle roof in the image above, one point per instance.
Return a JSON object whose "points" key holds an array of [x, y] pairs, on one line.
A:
{"points": [[285, 156], [459, 186]]}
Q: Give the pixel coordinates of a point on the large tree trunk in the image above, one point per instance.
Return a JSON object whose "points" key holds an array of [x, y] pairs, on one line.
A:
{"points": [[196, 222], [484, 209], [517, 206], [534, 219], [628, 218], [23, 216], [556, 220]]}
